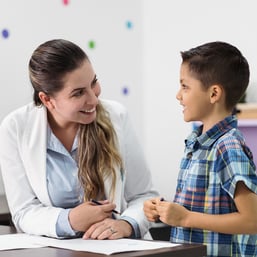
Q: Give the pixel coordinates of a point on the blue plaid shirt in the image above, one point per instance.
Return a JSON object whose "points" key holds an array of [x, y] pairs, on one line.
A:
{"points": [[213, 163]]}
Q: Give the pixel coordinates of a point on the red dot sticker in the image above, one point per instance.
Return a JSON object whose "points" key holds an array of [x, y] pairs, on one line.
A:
{"points": [[65, 2]]}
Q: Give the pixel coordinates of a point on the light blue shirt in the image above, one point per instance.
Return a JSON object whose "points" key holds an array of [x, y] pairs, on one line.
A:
{"points": [[63, 185]]}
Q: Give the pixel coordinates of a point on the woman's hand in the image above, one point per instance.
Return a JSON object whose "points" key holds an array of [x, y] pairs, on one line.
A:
{"points": [[150, 209], [109, 229], [86, 214]]}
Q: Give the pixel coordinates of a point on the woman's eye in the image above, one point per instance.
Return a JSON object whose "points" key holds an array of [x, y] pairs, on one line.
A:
{"points": [[94, 82], [79, 93]]}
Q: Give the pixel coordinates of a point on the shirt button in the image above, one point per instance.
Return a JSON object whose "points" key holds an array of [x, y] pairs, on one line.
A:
{"points": [[189, 155]]}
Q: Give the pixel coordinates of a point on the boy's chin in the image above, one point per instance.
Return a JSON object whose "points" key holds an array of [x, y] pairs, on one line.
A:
{"points": [[188, 119]]}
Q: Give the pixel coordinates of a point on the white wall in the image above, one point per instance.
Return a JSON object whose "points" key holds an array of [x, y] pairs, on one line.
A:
{"points": [[117, 55], [171, 27], [144, 58]]}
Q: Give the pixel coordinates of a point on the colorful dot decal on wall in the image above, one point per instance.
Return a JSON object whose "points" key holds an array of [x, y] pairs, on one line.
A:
{"points": [[91, 44], [125, 91], [65, 2], [5, 33], [129, 24]]}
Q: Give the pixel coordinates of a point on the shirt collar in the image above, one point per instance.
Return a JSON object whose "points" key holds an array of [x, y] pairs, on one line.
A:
{"points": [[54, 144], [196, 138]]}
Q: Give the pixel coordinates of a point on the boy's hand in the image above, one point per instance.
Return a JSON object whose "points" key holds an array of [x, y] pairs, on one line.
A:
{"points": [[172, 214], [150, 209]]}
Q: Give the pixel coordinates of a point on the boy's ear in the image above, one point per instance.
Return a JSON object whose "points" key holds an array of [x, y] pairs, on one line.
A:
{"points": [[46, 100], [216, 92]]}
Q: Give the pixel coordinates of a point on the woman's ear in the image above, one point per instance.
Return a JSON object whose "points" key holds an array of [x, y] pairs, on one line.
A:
{"points": [[216, 92], [46, 100]]}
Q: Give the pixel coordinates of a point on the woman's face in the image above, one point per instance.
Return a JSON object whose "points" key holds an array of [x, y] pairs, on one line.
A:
{"points": [[77, 101]]}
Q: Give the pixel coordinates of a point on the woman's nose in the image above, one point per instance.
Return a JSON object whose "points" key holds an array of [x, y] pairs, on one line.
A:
{"points": [[93, 97]]}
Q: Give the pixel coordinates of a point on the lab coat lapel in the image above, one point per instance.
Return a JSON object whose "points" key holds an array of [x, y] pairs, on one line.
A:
{"points": [[34, 143], [118, 189]]}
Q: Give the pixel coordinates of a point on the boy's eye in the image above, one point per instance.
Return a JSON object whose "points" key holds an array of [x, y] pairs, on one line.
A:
{"points": [[183, 86]]}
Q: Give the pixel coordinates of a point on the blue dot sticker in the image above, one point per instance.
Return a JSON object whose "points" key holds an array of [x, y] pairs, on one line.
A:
{"points": [[5, 33], [129, 25], [125, 91]]}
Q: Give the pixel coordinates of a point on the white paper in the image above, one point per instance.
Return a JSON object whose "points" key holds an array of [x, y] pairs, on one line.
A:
{"points": [[107, 246], [17, 241]]}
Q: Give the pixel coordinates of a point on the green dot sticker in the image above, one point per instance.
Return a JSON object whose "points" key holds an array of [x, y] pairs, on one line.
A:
{"points": [[91, 44]]}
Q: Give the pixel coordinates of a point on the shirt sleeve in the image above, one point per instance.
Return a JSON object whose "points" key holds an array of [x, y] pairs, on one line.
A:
{"points": [[136, 231], [235, 164], [63, 227]]}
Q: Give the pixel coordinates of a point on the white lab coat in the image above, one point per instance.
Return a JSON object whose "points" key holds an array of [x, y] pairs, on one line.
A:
{"points": [[23, 163]]}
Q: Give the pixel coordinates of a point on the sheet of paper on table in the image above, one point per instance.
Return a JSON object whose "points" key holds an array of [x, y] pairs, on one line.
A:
{"points": [[17, 241]]}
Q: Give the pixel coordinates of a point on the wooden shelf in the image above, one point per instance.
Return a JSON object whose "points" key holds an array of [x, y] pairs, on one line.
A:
{"points": [[247, 111]]}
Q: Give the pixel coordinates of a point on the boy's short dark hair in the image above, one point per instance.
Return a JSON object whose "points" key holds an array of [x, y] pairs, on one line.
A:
{"points": [[222, 64]]}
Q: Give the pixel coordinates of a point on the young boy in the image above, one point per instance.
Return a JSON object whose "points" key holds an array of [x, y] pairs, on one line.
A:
{"points": [[216, 196]]}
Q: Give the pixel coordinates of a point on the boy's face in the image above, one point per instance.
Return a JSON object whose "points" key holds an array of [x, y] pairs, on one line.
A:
{"points": [[193, 97]]}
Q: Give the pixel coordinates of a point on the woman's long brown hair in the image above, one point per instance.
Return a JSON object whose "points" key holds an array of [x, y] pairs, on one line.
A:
{"points": [[98, 155]]}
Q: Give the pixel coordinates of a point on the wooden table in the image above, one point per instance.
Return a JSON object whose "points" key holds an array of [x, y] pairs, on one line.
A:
{"points": [[177, 251]]}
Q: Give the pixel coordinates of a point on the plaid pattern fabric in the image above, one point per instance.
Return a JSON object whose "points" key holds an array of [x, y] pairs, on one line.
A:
{"points": [[213, 163]]}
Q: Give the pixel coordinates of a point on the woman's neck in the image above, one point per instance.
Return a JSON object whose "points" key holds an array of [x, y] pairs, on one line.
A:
{"points": [[65, 132]]}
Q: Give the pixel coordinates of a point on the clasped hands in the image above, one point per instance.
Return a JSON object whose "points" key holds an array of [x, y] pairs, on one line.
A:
{"points": [[97, 222], [170, 213]]}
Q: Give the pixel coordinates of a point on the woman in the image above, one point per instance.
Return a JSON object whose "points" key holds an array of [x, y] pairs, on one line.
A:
{"points": [[69, 147]]}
